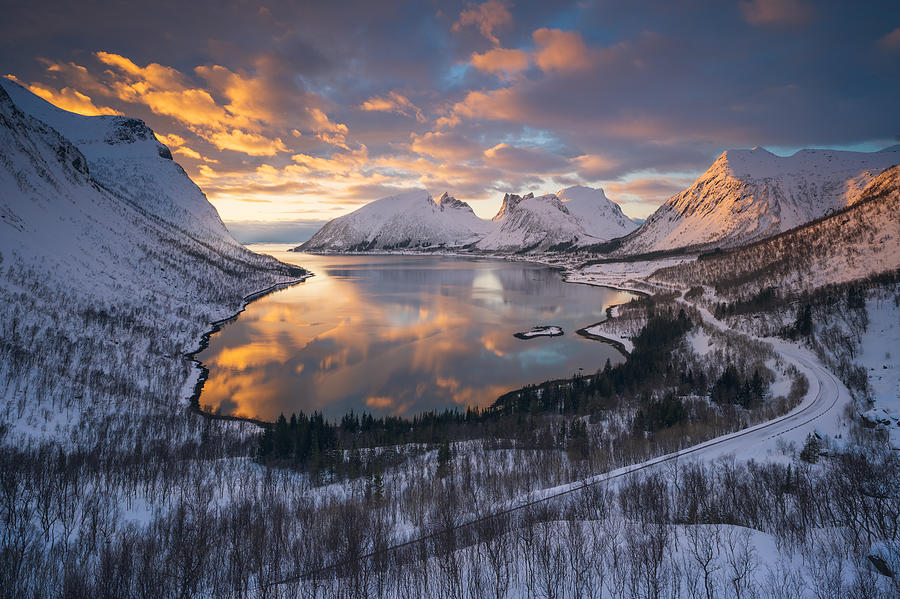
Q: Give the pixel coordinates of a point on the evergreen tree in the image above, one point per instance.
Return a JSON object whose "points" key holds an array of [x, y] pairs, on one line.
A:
{"points": [[811, 449], [803, 324], [445, 457]]}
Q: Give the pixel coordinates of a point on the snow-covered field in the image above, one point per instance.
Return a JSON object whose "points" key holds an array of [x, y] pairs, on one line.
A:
{"points": [[880, 356], [114, 265]]}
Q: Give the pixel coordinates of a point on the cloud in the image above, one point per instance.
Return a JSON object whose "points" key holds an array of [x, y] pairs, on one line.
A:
{"points": [[171, 140], [776, 12], [251, 144], [596, 166], [561, 50], [168, 92], [245, 95], [891, 41], [501, 61], [241, 125], [176, 143], [327, 130], [66, 98], [649, 190], [444, 147], [393, 102], [528, 159], [500, 104], [380, 402], [487, 17], [186, 151], [339, 163], [616, 90]]}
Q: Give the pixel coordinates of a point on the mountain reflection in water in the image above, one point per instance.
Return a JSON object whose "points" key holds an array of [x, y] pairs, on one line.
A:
{"points": [[401, 335]]}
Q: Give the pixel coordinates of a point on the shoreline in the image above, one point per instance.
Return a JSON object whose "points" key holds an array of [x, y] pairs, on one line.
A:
{"points": [[216, 326], [593, 336], [203, 372]]}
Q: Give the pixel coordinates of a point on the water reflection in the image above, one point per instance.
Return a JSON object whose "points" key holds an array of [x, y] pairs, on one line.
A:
{"points": [[399, 335]]}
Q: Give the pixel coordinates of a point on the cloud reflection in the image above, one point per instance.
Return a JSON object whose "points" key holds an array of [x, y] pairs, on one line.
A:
{"points": [[397, 335]]}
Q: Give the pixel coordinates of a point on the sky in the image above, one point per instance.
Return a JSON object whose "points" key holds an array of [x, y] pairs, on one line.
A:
{"points": [[288, 114]]}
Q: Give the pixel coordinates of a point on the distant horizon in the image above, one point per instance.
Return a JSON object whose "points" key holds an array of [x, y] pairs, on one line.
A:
{"points": [[299, 231]]}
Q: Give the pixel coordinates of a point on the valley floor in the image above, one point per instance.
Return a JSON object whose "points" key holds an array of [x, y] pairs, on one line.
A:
{"points": [[506, 522]]}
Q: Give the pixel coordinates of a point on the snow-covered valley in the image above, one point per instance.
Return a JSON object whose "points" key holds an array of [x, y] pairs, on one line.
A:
{"points": [[729, 459]]}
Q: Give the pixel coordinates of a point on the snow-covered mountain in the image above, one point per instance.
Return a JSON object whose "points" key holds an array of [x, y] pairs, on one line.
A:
{"points": [[124, 156], [411, 219], [752, 194], [414, 221], [113, 263], [853, 243], [529, 223], [600, 217]]}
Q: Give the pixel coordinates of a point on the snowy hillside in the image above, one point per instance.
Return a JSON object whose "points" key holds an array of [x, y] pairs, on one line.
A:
{"points": [[853, 243], [124, 156], [600, 217], [575, 216], [408, 220], [414, 221], [529, 223], [107, 278], [751, 194]]}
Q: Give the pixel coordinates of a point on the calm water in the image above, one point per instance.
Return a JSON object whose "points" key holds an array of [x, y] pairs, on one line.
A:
{"points": [[401, 335]]}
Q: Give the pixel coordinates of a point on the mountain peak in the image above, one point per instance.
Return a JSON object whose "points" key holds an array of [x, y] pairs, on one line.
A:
{"points": [[401, 221], [582, 192], [449, 202], [98, 137], [510, 201], [747, 195]]}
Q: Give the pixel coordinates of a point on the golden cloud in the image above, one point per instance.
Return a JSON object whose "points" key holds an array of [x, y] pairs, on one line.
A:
{"points": [[379, 402], [595, 166], [561, 50], [245, 95], [501, 61], [499, 104], [170, 140], [444, 147], [186, 151], [66, 98], [251, 144], [394, 102], [240, 125], [486, 17]]}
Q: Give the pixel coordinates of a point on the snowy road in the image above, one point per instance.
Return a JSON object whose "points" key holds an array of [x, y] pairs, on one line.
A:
{"points": [[819, 410]]}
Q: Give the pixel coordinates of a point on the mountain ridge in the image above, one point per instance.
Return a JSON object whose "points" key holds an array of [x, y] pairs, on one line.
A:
{"points": [[860, 240], [575, 216], [747, 195]]}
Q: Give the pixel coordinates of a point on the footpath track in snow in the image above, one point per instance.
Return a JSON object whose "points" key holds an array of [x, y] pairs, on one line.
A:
{"points": [[825, 394]]}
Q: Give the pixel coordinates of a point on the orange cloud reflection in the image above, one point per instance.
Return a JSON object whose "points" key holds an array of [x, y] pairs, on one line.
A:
{"points": [[346, 339]]}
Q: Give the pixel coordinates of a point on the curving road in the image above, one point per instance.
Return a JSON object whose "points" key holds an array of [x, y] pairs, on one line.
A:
{"points": [[819, 409]]}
